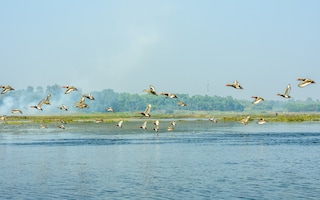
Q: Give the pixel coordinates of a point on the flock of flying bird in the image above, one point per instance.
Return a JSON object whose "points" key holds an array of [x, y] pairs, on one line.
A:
{"points": [[303, 82]]}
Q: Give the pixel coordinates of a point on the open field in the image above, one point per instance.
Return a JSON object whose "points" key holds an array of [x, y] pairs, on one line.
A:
{"points": [[114, 117]]}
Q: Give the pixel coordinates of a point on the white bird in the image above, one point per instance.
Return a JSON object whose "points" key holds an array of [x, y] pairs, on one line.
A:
{"points": [[304, 82], [286, 92], [109, 109], [119, 124], [144, 125], [146, 113], [212, 119], [261, 121], [235, 85]]}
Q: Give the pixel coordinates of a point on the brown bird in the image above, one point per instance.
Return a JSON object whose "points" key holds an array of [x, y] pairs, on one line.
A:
{"points": [[6, 89], [47, 99], [169, 95], [235, 85], [151, 90], [69, 89], [304, 82], [257, 99], [245, 120]]}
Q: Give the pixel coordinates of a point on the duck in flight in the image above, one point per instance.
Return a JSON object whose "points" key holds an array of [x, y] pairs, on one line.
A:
{"points": [[16, 111], [146, 113], [63, 107], [169, 95], [89, 96], [119, 124], [286, 92], [151, 90], [38, 106], [245, 120], [69, 89], [47, 99], [235, 85], [257, 99], [144, 125], [6, 89], [304, 82]]}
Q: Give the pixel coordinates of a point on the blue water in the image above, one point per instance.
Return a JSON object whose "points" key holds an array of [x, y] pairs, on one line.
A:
{"points": [[197, 160]]}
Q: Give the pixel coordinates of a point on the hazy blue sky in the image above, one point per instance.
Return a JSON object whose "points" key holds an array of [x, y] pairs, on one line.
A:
{"points": [[193, 47]]}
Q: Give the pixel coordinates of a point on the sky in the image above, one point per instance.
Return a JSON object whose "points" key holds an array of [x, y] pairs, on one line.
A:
{"points": [[189, 47]]}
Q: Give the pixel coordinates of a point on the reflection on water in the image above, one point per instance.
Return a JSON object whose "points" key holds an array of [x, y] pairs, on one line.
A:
{"points": [[197, 160]]}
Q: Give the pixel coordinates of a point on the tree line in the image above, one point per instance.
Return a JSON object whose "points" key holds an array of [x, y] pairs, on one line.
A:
{"points": [[126, 102]]}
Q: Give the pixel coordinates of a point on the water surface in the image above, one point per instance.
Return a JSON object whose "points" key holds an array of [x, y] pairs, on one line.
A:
{"points": [[197, 160]]}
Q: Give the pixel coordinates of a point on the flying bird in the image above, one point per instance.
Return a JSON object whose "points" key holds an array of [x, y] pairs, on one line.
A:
{"points": [[63, 107], [235, 85], [38, 106], [214, 120], [119, 124], [257, 99], [81, 104], [286, 92], [245, 120], [69, 89], [169, 95], [89, 96], [109, 109], [146, 113], [47, 99], [16, 111], [151, 90], [304, 82], [180, 103], [144, 125], [6, 89]]}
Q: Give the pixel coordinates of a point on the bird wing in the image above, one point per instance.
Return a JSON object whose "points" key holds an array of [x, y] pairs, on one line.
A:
{"points": [[287, 90], [147, 111]]}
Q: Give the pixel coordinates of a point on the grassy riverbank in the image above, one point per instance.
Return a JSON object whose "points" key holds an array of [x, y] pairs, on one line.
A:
{"points": [[113, 117]]}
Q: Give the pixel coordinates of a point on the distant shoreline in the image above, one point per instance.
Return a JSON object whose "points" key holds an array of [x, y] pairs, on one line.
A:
{"points": [[114, 117]]}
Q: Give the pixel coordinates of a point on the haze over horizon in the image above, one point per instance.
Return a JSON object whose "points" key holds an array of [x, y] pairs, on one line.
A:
{"points": [[181, 47]]}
